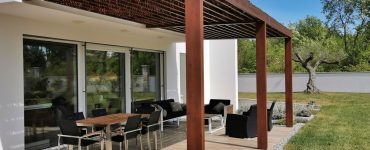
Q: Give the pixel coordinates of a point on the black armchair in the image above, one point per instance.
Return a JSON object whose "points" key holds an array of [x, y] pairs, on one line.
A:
{"points": [[131, 130], [152, 125], [242, 126], [78, 116], [72, 135]]}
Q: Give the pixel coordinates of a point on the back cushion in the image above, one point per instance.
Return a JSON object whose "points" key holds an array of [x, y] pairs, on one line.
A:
{"points": [[214, 102]]}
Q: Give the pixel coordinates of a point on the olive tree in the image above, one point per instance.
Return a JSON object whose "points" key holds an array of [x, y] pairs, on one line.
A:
{"points": [[313, 46]]}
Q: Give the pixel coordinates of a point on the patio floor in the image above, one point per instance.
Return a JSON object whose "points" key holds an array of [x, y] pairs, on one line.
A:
{"points": [[218, 140], [174, 138]]}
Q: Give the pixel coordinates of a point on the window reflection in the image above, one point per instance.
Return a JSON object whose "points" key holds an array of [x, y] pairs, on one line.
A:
{"points": [[50, 73], [146, 76], [105, 81]]}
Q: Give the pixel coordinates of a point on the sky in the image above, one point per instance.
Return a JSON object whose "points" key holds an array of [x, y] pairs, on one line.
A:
{"points": [[289, 11]]}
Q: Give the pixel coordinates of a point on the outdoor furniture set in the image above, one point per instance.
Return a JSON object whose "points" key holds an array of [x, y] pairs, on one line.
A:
{"points": [[113, 128], [217, 109]]}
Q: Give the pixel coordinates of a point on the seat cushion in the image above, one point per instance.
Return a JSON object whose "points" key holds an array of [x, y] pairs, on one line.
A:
{"points": [[174, 115]]}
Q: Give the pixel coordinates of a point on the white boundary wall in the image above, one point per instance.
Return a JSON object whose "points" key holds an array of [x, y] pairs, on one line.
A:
{"points": [[327, 82]]}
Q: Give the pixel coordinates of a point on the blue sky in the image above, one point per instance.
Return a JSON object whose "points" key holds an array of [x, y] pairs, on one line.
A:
{"points": [[287, 11]]}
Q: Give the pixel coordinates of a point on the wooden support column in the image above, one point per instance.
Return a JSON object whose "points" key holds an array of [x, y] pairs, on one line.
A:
{"points": [[194, 74], [288, 82], [261, 43]]}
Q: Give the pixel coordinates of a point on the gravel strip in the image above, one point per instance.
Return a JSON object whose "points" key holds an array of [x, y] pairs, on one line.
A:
{"points": [[286, 139]]}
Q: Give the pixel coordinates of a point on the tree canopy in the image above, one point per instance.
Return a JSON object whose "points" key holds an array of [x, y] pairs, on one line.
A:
{"points": [[344, 37]]}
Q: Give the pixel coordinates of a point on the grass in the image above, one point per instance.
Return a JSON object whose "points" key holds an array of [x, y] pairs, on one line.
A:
{"points": [[342, 123]]}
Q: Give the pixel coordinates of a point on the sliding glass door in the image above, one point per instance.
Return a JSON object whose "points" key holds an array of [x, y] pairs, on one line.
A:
{"points": [[105, 80], [50, 83], [146, 75]]}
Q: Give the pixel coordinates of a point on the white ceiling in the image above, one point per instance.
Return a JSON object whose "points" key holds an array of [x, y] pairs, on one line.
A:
{"points": [[53, 13]]}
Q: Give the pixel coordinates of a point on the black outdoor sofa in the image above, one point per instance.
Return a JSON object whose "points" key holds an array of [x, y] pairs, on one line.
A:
{"points": [[146, 107], [211, 108]]}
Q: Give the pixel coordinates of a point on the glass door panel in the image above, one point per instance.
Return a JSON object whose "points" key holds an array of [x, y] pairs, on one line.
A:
{"points": [[105, 85], [50, 84], [145, 76]]}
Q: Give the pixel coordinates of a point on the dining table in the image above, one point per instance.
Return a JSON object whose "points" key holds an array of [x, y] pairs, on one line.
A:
{"points": [[107, 121]]}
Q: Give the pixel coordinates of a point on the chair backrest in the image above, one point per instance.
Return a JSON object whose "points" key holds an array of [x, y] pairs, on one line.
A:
{"points": [[132, 123], [99, 112], [154, 117], [76, 116], [252, 121], [214, 102], [69, 127], [272, 105]]}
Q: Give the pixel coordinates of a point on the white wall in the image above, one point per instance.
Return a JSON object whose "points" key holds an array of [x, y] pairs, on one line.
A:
{"points": [[11, 85], [223, 70], [327, 82], [173, 73], [18, 19], [220, 70]]}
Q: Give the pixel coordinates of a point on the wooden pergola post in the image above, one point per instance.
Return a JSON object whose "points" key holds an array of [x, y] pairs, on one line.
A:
{"points": [[194, 74], [288, 82], [261, 43]]}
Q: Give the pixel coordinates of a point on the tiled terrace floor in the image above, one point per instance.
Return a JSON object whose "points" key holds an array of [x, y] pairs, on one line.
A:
{"points": [[174, 138], [218, 141]]}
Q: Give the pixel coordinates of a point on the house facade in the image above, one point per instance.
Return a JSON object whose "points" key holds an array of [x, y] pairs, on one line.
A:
{"points": [[49, 51]]}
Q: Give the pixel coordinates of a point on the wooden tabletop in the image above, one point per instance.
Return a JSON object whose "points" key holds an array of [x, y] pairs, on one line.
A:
{"points": [[108, 119]]}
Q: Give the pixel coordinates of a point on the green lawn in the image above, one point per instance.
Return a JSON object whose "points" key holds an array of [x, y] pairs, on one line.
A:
{"points": [[342, 123]]}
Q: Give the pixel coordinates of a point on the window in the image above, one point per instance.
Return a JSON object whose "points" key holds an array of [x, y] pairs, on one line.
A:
{"points": [[50, 74], [146, 75], [105, 81]]}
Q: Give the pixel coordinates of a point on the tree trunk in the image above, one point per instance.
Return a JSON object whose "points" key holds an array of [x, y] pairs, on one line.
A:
{"points": [[311, 84]]}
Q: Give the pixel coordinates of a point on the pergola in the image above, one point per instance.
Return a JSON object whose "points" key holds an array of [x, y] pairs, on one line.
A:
{"points": [[199, 20]]}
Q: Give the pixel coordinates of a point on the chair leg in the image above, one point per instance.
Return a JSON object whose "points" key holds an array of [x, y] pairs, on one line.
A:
{"points": [[148, 138], [102, 145], [155, 140], [70, 147], [120, 145], [58, 142], [160, 138], [178, 121], [79, 144], [141, 143], [126, 145]]}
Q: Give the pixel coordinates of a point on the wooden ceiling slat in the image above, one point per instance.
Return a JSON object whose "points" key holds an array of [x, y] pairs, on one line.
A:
{"points": [[159, 12], [222, 18], [223, 13]]}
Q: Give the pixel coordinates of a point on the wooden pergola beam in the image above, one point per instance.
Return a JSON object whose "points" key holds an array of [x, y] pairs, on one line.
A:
{"points": [[288, 82], [247, 6], [194, 74], [205, 24], [261, 75]]}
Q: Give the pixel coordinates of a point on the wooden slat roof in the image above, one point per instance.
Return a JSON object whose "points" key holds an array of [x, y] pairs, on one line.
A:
{"points": [[223, 19]]}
